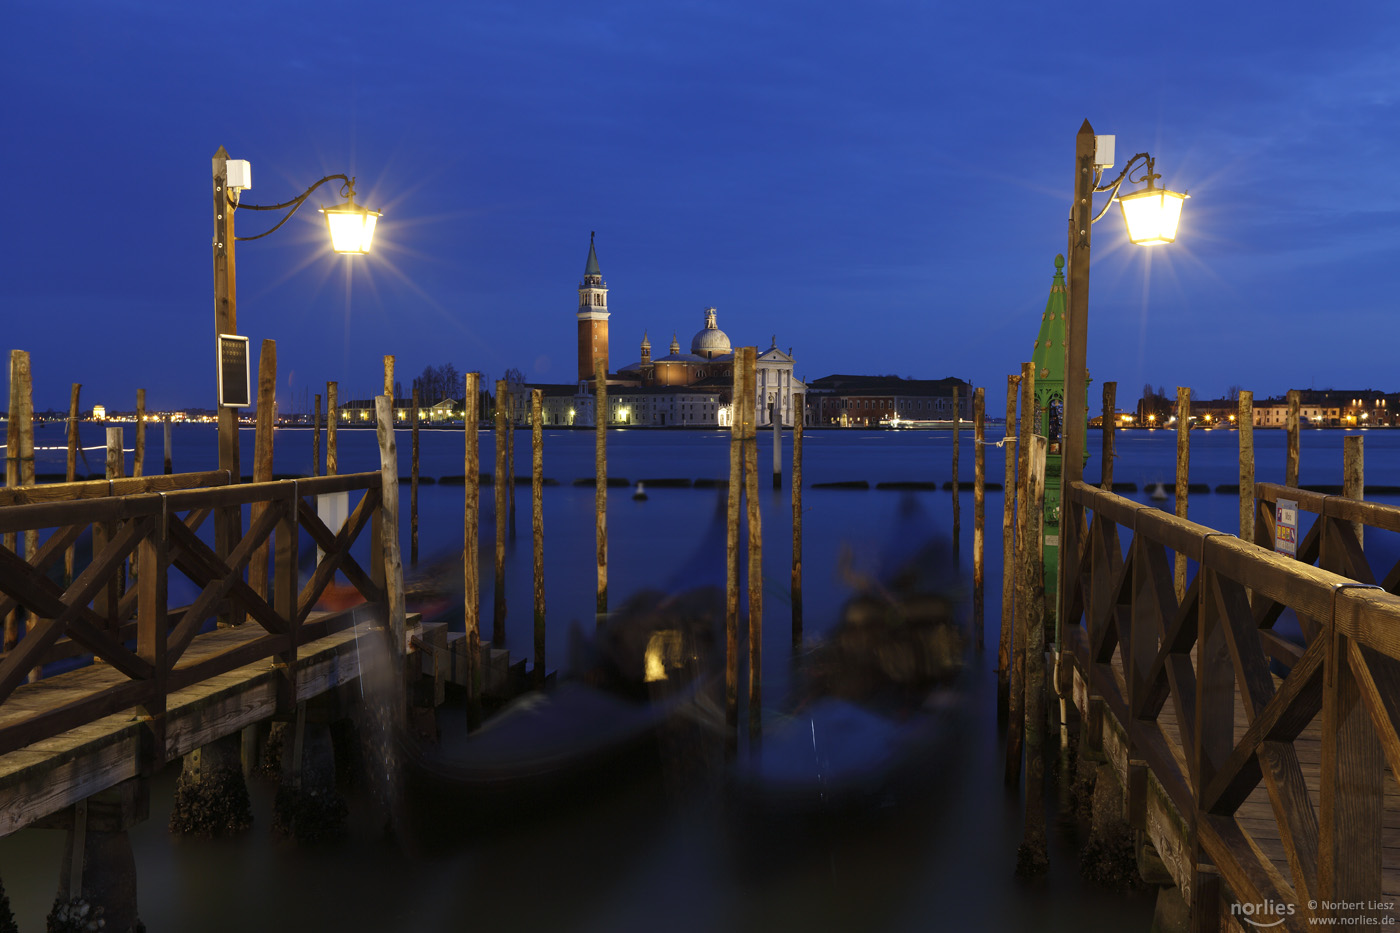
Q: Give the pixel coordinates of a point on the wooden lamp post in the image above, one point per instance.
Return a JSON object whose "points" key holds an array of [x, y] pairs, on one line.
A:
{"points": [[1151, 216]]}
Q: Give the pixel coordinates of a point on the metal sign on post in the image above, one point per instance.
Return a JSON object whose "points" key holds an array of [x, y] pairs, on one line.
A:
{"points": [[234, 386], [1286, 527]]}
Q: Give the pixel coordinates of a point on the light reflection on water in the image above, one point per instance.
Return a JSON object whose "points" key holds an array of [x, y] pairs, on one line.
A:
{"points": [[639, 858]]}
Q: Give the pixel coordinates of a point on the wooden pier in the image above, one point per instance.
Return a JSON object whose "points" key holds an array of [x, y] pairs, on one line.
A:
{"points": [[1260, 767]]}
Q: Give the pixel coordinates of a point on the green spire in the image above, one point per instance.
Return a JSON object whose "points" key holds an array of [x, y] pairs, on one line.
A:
{"points": [[1049, 355], [592, 267]]}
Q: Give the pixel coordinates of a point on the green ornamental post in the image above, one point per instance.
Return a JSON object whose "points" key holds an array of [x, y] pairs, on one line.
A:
{"points": [[1049, 360]]}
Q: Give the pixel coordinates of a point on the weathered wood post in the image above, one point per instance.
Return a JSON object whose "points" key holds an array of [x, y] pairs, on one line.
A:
{"points": [[1244, 419], [499, 481], [111, 593], [70, 472], [332, 419], [731, 557], [389, 496], [1110, 425], [1008, 544], [799, 410], [1353, 782], [600, 495], [19, 462], [389, 386], [262, 456], [138, 463], [749, 417], [1353, 479], [413, 489], [471, 531], [1290, 466], [1033, 857], [537, 522], [1016, 725], [510, 454], [1183, 476], [775, 415], [169, 465], [979, 514], [316, 437], [957, 492]]}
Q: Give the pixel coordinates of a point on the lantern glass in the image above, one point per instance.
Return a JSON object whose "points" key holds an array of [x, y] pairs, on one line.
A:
{"points": [[1152, 215], [351, 228]]}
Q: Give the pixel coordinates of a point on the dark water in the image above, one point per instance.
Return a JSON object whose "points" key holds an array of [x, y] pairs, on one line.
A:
{"points": [[645, 856]]}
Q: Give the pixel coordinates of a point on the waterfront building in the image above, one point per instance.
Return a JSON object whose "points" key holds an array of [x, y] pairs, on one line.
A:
{"points": [[855, 401], [679, 389]]}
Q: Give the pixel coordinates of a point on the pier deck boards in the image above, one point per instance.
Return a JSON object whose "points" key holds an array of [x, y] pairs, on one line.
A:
{"points": [[1256, 814], [48, 775]]}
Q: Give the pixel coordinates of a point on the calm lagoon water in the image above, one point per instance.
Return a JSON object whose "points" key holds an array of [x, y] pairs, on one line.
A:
{"points": [[640, 859]]}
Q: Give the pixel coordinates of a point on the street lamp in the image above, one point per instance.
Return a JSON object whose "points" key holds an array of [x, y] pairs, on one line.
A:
{"points": [[1151, 215], [352, 230]]}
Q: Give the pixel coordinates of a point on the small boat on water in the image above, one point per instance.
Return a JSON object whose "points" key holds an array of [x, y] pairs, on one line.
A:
{"points": [[1158, 493], [653, 661], [879, 708]]}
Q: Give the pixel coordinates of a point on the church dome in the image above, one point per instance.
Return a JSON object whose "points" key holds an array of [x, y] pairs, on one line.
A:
{"points": [[710, 341]]}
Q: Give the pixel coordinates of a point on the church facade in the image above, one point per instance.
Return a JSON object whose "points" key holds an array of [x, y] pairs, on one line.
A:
{"points": [[684, 387]]}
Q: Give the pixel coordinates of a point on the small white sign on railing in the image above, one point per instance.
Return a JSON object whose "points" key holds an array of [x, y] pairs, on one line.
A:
{"points": [[1286, 527], [333, 509]]}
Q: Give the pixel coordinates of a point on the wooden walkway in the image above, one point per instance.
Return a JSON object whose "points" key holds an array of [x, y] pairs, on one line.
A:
{"points": [[1256, 789], [1256, 815], [54, 773]]}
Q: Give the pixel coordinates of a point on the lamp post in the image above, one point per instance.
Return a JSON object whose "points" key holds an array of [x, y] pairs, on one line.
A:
{"points": [[1151, 215], [351, 229]]}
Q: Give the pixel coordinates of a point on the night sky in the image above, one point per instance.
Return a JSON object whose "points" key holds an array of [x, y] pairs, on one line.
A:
{"points": [[883, 186]]}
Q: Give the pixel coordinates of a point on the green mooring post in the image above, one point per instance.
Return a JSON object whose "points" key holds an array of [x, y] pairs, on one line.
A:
{"points": [[1049, 360]]}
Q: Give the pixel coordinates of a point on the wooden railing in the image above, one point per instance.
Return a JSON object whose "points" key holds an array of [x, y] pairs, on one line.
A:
{"points": [[153, 524], [1213, 713]]}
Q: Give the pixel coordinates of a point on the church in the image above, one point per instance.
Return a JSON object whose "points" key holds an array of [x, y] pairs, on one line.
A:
{"points": [[679, 389]]}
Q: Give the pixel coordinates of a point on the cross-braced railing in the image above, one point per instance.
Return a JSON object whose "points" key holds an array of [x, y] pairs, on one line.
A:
{"points": [[1271, 753], [143, 646]]}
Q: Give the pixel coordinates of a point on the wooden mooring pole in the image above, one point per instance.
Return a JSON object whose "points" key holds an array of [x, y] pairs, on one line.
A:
{"points": [[775, 415], [389, 496], [1008, 543], [1016, 712], [979, 515], [799, 410], [1183, 476], [138, 463], [169, 465], [104, 532], [1353, 478], [1033, 857], [510, 454], [332, 419], [1110, 425], [389, 386], [413, 490], [70, 472], [1244, 419], [537, 523], [19, 461], [262, 456], [471, 531], [957, 493], [731, 560], [316, 437], [1290, 465], [600, 494], [755, 544], [499, 481]]}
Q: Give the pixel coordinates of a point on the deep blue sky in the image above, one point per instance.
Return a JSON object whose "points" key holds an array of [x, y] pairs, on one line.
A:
{"points": [[881, 185]]}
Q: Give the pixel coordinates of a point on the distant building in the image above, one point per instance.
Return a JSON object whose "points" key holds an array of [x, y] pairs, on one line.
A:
{"points": [[679, 389], [99, 412], [871, 401]]}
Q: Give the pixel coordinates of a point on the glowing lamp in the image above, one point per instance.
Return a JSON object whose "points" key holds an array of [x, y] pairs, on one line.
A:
{"points": [[1152, 214], [351, 227]]}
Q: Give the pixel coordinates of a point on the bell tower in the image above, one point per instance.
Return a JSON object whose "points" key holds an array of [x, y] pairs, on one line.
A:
{"points": [[592, 316]]}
